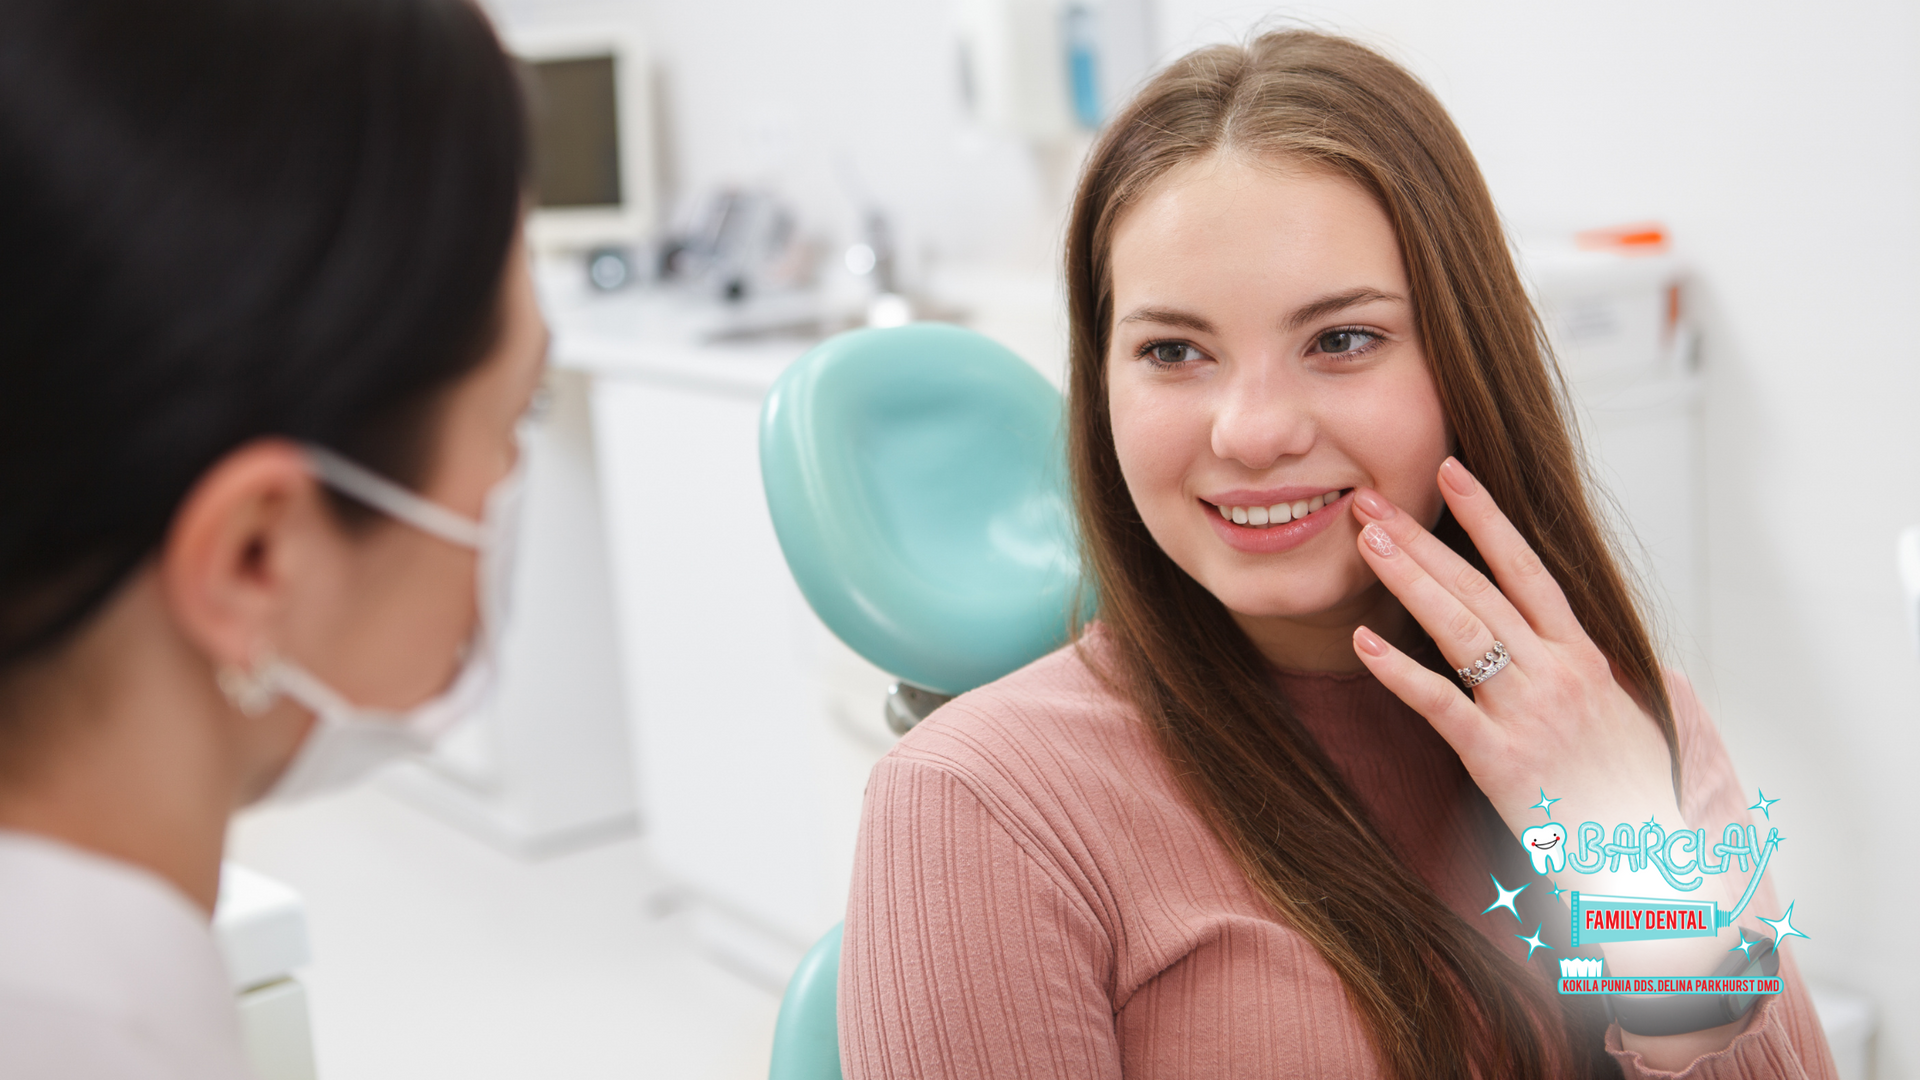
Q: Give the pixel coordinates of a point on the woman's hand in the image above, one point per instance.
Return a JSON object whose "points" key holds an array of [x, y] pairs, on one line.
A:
{"points": [[1553, 722], [1554, 719]]}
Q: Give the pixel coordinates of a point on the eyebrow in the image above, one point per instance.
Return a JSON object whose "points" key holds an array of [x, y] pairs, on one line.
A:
{"points": [[1318, 309], [1340, 301], [1170, 317]]}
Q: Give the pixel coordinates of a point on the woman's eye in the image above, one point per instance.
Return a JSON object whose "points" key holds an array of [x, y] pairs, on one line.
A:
{"points": [[1171, 353], [1344, 341]]}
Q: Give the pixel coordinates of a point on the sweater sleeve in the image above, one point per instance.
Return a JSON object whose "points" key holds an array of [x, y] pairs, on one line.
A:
{"points": [[964, 955], [1783, 1039]]}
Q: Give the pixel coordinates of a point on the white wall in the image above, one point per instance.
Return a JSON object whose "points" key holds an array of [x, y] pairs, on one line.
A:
{"points": [[835, 103], [1782, 145]]}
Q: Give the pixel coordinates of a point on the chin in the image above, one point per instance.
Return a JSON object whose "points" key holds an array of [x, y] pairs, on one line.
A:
{"points": [[1266, 603], [1305, 593]]}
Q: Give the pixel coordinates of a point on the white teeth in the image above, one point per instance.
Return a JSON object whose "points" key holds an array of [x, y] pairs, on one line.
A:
{"points": [[1278, 513]]}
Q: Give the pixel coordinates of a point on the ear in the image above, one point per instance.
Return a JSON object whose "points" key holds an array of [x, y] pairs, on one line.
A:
{"points": [[234, 546]]}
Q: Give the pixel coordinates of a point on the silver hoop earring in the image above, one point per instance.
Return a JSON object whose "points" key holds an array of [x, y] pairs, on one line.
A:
{"points": [[250, 690]]}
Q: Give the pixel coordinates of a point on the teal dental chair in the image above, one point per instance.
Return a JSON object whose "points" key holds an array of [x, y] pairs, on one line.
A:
{"points": [[918, 487]]}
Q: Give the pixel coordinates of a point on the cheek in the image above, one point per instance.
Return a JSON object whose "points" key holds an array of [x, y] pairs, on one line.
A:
{"points": [[404, 639], [1154, 439], [1407, 439]]}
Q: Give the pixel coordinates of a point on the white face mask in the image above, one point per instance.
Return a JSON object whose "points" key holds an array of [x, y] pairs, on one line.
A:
{"points": [[348, 742]]}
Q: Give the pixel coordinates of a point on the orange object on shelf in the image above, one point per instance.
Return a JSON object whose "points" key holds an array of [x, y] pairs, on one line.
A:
{"points": [[1641, 238]]}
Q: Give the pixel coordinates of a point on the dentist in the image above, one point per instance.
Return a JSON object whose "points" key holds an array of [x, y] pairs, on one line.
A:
{"points": [[266, 331]]}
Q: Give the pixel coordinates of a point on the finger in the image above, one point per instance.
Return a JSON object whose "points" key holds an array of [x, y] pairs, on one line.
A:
{"points": [[1522, 577], [1459, 632], [1459, 577], [1435, 697]]}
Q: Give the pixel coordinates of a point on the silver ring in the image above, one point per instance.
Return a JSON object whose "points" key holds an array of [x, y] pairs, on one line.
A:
{"points": [[1486, 667]]}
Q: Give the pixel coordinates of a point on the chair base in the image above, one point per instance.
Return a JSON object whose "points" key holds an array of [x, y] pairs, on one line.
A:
{"points": [[908, 704]]}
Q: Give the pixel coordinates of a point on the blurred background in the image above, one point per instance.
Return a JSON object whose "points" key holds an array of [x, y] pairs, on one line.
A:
{"points": [[1718, 205]]}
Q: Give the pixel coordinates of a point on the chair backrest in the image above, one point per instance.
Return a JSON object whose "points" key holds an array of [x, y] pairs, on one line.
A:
{"points": [[917, 482]]}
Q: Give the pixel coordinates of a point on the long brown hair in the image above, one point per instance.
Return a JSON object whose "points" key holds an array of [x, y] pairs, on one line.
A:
{"points": [[1437, 997]]}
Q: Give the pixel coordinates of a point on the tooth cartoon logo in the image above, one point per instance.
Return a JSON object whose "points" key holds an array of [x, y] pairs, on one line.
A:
{"points": [[1546, 846]]}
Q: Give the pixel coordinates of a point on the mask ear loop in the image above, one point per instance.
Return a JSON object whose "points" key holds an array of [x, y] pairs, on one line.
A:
{"points": [[255, 688], [390, 498]]}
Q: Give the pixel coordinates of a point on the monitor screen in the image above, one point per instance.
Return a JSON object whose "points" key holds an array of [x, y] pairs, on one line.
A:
{"points": [[576, 132]]}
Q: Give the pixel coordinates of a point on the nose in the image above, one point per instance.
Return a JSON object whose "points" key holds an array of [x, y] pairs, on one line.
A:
{"points": [[1261, 417]]}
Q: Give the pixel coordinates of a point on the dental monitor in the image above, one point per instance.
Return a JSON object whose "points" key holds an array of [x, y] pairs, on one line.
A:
{"points": [[592, 140]]}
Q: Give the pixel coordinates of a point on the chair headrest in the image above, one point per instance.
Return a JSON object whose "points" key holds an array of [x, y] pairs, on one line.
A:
{"points": [[917, 481]]}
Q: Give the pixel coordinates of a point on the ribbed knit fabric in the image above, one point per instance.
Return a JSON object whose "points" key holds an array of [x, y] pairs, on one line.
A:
{"points": [[1034, 897]]}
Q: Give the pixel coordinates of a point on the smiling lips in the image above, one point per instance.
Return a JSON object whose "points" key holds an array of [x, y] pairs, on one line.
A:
{"points": [[1287, 517], [1280, 513]]}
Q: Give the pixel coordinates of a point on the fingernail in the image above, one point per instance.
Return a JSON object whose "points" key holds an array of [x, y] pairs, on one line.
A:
{"points": [[1369, 642], [1377, 539], [1375, 504], [1458, 478]]}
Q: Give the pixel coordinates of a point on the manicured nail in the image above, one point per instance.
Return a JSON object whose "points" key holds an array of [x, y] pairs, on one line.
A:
{"points": [[1377, 539], [1375, 505], [1458, 478], [1369, 642]]}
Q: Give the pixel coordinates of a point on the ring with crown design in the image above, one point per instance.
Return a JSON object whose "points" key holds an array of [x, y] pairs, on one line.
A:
{"points": [[1486, 667]]}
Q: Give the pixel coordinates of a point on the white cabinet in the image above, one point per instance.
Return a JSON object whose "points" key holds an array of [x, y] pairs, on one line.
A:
{"points": [[1618, 324], [260, 926], [753, 727], [545, 767]]}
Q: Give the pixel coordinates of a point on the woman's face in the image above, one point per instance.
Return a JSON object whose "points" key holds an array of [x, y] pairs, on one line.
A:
{"points": [[1263, 363]]}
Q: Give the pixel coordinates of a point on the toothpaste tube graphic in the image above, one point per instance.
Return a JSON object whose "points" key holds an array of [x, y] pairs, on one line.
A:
{"points": [[1599, 918], [1639, 918]]}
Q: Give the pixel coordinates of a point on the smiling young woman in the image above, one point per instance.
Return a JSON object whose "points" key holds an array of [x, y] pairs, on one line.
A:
{"points": [[1246, 823]]}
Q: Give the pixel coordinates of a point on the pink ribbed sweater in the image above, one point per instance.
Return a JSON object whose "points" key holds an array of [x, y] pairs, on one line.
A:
{"points": [[1033, 897]]}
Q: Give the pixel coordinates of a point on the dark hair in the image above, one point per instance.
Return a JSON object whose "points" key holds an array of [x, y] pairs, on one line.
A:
{"points": [[222, 220], [1437, 997]]}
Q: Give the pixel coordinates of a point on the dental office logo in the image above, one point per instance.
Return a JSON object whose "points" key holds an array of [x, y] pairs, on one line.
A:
{"points": [[1684, 860]]}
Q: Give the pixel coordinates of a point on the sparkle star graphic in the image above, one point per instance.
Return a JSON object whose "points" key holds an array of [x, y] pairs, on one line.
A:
{"points": [[1765, 805], [1783, 928], [1557, 890], [1505, 896], [1745, 947], [1534, 942], [1545, 804]]}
